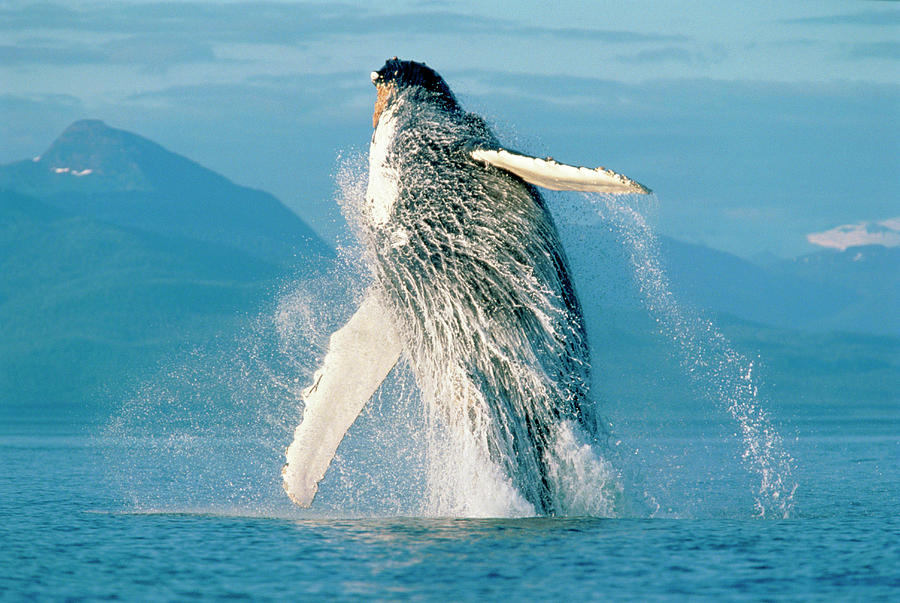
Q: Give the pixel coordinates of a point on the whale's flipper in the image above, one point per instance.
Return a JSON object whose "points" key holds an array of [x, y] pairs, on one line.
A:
{"points": [[360, 355], [559, 176]]}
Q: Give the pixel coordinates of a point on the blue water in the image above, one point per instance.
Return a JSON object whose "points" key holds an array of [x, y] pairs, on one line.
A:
{"points": [[69, 531]]}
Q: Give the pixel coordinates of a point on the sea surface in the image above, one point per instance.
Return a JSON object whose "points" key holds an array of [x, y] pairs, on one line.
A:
{"points": [[71, 530]]}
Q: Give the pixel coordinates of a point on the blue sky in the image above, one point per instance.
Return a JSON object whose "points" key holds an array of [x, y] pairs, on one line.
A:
{"points": [[756, 123]]}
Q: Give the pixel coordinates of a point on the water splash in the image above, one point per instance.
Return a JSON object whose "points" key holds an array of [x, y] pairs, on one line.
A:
{"points": [[714, 366], [210, 430]]}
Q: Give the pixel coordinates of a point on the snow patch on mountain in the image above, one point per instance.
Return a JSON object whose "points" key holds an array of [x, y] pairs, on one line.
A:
{"points": [[885, 233], [77, 173]]}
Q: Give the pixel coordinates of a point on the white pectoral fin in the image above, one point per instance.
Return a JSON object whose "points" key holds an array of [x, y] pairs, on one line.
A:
{"points": [[551, 174], [360, 356]]}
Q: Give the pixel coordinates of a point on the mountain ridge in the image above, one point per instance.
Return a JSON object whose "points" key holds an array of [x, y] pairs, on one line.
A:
{"points": [[117, 256], [852, 290], [127, 180], [856, 290]]}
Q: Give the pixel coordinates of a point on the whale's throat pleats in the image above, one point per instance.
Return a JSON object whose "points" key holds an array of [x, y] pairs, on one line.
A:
{"points": [[384, 178]]}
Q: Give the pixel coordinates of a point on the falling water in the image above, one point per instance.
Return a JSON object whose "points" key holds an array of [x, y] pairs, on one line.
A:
{"points": [[716, 369]]}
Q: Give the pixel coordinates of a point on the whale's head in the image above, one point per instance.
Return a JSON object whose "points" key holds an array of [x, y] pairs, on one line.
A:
{"points": [[412, 80]]}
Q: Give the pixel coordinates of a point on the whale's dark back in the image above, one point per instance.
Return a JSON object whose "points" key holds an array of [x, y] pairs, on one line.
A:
{"points": [[418, 80]]}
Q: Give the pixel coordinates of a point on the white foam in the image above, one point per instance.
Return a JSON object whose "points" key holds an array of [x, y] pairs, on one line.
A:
{"points": [[585, 483]]}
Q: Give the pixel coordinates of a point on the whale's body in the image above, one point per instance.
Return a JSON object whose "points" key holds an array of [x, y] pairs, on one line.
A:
{"points": [[470, 265], [472, 286]]}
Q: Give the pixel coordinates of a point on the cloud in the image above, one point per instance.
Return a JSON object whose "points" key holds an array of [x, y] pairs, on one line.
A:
{"points": [[674, 54], [779, 104], [149, 52], [885, 233], [310, 99], [609, 36], [50, 54], [256, 22], [159, 51], [869, 18], [282, 23], [874, 50]]}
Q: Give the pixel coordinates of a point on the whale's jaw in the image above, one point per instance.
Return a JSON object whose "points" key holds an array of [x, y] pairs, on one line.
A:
{"points": [[383, 97]]}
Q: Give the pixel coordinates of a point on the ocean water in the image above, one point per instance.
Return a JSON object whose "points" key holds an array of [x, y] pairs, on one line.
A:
{"points": [[69, 533]]}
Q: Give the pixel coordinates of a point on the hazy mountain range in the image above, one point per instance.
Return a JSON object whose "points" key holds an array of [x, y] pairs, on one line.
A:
{"points": [[855, 290], [115, 252], [126, 180]]}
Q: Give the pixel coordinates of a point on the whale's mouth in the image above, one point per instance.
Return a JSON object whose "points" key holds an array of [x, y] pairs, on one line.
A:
{"points": [[384, 94]]}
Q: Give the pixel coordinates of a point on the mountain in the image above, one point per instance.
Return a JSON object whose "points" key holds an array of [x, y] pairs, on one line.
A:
{"points": [[822, 331], [871, 273], [726, 284], [855, 290], [85, 305], [126, 180], [117, 255]]}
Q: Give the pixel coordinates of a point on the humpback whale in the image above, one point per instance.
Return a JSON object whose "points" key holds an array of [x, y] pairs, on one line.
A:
{"points": [[471, 286]]}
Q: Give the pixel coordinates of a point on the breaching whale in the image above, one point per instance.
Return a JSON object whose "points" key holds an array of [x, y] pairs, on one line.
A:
{"points": [[471, 286]]}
